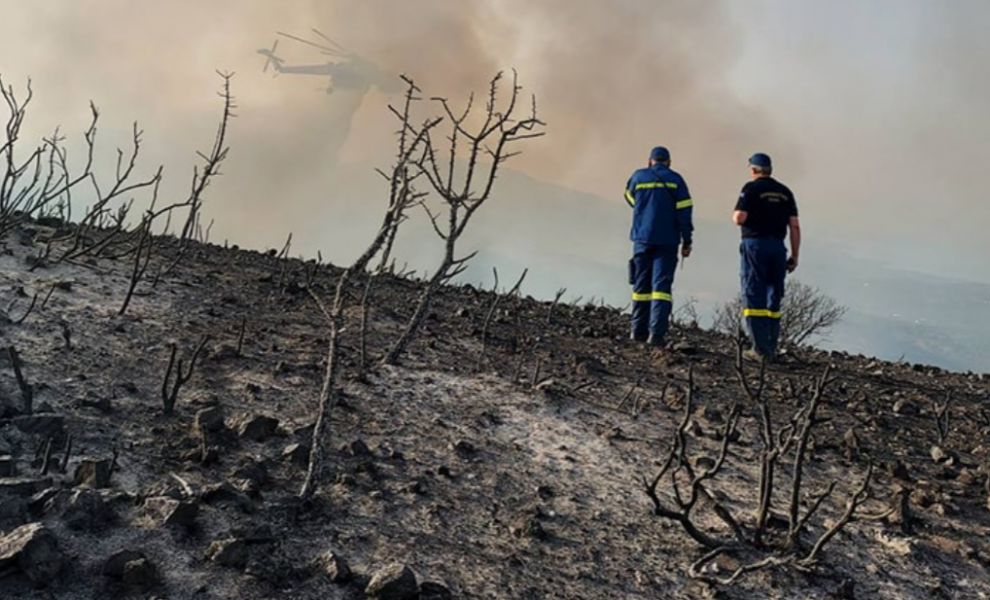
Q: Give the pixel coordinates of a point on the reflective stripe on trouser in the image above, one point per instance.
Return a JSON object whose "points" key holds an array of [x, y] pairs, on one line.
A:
{"points": [[653, 278], [762, 269]]}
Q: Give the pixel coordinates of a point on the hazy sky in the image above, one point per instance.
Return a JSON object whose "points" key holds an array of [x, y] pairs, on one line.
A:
{"points": [[872, 109]]}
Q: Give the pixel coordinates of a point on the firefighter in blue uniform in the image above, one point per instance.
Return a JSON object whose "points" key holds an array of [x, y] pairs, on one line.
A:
{"points": [[661, 207], [765, 212]]}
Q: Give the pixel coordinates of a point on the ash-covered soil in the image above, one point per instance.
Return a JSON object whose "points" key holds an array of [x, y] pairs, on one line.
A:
{"points": [[498, 462]]}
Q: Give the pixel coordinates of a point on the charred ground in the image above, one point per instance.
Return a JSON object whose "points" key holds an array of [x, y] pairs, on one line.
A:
{"points": [[502, 458]]}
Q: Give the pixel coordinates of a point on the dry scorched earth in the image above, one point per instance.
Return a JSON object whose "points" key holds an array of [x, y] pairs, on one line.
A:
{"points": [[498, 461]]}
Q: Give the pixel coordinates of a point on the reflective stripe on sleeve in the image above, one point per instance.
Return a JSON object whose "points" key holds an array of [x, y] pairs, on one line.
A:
{"points": [[688, 203], [761, 312], [630, 198], [656, 184]]}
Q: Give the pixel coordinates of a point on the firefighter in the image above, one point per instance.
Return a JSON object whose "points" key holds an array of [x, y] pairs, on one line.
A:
{"points": [[661, 222], [765, 212]]}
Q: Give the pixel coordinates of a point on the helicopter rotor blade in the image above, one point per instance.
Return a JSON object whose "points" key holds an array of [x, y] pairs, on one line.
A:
{"points": [[330, 41], [303, 41]]}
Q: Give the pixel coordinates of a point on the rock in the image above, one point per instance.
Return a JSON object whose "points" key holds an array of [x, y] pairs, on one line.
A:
{"points": [[45, 425], [229, 553], [463, 449], [225, 493], [394, 582], [140, 573], [257, 428], [117, 562], [93, 472], [846, 590], [210, 420], [905, 407], [86, 510], [529, 527], [357, 448], [8, 466], [24, 487], [684, 348], [170, 512], [132, 568], [255, 472], [703, 463], [34, 550], [431, 590], [297, 454], [938, 454], [335, 567], [42, 501], [899, 470]]}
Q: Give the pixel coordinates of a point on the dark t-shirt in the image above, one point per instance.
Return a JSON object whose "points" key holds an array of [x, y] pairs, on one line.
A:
{"points": [[769, 205]]}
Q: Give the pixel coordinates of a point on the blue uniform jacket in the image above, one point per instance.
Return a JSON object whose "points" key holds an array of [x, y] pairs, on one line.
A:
{"points": [[661, 207]]}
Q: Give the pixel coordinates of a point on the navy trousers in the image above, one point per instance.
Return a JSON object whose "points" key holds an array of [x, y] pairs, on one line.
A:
{"points": [[762, 270], [652, 277]]}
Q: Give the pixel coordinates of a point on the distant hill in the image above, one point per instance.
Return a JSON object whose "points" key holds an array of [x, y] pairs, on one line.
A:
{"points": [[579, 241]]}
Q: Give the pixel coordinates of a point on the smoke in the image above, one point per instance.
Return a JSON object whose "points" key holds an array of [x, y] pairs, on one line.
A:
{"points": [[611, 79], [865, 116]]}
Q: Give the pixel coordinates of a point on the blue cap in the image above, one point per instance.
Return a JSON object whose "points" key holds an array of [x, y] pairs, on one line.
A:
{"points": [[660, 153], [760, 160]]}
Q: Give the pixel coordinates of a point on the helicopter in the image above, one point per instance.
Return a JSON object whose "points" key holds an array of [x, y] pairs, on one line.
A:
{"points": [[348, 71]]}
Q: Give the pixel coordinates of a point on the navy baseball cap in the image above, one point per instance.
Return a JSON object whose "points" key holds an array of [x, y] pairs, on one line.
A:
{"points": [[760, 160], [660, 153]]}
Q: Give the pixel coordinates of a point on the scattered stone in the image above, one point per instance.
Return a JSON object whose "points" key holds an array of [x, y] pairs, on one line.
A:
{"points": [[24, 487], [255, 471], [394, 582], [431, 590], [335, 567], [905, 407], [703, 463], [132, 568], [41, 501], [171, 512], [304, 434], [34, 550], [966, 477], [922, 498], [8, 466], [257, 428], [846, 590], [116, 563], [229, 553], [41, 424], [357, 448], [297, 454], [899, 470], [684, 348], [345, 479], [528, 527], [225, 493], [544, 492], [140, 573], [464, 448], [938, 454], [86, 510], [93, 472], [210, 420]]}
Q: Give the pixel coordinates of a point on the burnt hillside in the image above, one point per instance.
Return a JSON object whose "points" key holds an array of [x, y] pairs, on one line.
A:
{"points": [[503, 457]]}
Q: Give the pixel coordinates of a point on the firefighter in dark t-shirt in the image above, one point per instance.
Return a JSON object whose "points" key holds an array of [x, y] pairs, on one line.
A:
{"points": [[765, 212]]}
